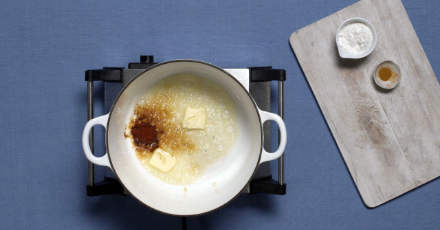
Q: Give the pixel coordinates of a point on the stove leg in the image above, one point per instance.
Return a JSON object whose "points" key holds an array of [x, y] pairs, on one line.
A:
{"points": [[91, 168], [184, 225], [281, 113]]}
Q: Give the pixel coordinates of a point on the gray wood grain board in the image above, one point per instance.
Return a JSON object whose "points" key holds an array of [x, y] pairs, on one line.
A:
{"points": [[390, 141]]}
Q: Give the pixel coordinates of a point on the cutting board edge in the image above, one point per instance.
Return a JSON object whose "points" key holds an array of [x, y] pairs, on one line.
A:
{"points": [[407, 191]]}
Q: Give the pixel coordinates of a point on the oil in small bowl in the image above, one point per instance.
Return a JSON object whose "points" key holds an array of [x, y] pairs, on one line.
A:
{"points": [[387, 75]]}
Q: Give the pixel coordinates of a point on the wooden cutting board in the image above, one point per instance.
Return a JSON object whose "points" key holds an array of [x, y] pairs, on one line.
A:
{"points": [[390, 141]]}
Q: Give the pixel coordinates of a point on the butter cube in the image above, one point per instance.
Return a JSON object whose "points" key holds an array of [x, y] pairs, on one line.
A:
{"points": [[195, 118], [162, 160]]}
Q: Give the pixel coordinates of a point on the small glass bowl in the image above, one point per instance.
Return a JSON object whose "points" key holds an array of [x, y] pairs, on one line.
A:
{"points": [[391, 75], [347, 55]]}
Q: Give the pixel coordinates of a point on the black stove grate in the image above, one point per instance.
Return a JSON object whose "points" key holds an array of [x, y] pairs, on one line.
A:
{"points": [[260, 88]]}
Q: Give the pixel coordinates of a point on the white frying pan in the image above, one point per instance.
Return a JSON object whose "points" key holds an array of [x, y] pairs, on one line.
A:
{"points": [[230, 174]]}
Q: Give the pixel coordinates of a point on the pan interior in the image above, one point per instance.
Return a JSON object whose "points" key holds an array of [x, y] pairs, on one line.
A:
{"points": [[221, 181]]}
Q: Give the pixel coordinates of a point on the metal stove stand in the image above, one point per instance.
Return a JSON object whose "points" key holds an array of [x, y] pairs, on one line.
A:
{"points": [[258, 75]]}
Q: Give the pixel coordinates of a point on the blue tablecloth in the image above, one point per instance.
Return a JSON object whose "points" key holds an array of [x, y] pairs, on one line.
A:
{"points": [[45, 46]]}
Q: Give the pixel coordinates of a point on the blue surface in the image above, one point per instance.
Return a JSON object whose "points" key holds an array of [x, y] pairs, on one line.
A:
{"points": [[45, 48]]}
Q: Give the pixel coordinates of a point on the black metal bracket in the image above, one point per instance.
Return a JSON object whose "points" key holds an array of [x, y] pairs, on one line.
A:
{"points": [[113, 74], [267, 185], [257, 74], [146, 61], [108, 186]]}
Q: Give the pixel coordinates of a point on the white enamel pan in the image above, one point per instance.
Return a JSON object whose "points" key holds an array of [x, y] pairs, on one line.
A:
{"points": [[220, 182]]}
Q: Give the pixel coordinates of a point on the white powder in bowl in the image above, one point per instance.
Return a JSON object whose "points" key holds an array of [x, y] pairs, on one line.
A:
{"points": [[355, 38]]}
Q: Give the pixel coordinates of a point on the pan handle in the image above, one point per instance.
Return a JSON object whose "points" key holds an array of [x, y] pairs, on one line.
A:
{"points": [[102, 160], [266, 156]]}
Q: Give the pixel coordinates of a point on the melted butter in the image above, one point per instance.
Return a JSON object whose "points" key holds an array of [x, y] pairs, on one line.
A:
{"points": [[163, 107]]}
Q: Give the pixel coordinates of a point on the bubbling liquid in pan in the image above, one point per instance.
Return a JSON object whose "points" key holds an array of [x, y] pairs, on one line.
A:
{"points": [[157, 122]]}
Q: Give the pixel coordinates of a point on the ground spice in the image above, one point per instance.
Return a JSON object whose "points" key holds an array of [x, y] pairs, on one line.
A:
{"points": [[145, 135], [153, 126]]}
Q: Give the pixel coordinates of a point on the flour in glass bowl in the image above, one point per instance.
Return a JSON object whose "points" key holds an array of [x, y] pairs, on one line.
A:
{"points": [[355, 38]]}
